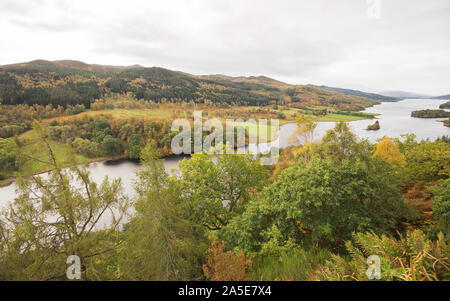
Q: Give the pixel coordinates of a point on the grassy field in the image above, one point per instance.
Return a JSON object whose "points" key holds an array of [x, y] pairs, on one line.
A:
{"points": [[171, 111], [257, 129], [339, 117], [34, 153]]}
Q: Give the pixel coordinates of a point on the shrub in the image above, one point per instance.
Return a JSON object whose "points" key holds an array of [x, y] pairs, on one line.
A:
{"points": [[225, 266], [410, 258], [296, 265], [441, 202]]}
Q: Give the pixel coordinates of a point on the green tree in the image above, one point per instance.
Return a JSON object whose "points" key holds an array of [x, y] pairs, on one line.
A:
{"points": [[441, 202], [112, 146], [341, 144], [215, 191], [427, 161], [9, 155], [135, 146], [161, 242], [85, 147], [55, 217], [321, 202]]}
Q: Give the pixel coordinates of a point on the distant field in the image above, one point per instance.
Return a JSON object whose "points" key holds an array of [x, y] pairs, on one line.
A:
{"points": [[122, 114], [234, 112], [329, 117], [339, 117], [258, 129], [36, 157]]}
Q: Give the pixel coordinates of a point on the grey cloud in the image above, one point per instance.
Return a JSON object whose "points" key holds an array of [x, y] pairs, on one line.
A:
{"points": [[323, 41]]}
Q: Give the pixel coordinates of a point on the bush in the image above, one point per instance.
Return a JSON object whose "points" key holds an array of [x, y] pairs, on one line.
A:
{"points": [[441, 202], [86, 147], [293, 265], [112, 146], [281, 116], [322, 202], [410, 258], [225, 266]]}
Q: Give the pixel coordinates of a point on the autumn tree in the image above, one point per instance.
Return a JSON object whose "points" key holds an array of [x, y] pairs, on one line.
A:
{"points": [[225, 266], [390, 152], [305, 129]]}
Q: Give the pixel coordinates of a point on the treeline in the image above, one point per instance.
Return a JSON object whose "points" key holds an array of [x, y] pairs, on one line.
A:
{"points": [[59, 84], [103, 135], [47, 89], [430, 114], [327, 206], [106, 136], [16, 119], [351, 113], [31, 86], [445, 105]]}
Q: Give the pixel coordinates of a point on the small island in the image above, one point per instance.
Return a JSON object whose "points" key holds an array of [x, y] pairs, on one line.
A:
{"points": [[374, 127], [445, 105], [430, 114], [447, 123]]}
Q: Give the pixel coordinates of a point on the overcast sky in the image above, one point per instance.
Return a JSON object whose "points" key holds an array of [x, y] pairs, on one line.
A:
{"points": [[337, 43]]}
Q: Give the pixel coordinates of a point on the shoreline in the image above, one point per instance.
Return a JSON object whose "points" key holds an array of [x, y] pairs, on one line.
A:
{"points": [[10, 180]]}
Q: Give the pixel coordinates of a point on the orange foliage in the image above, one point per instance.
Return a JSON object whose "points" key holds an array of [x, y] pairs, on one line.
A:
{"points": [[225, 266], [421, 196]]}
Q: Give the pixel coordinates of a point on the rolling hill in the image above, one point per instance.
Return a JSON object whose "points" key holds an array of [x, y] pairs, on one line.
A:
{"points": [[403, 94], [358, 93], [68, 82], [442, 97]]}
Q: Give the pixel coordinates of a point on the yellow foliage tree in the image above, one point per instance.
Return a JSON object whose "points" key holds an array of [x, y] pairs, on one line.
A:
{"points": [[390, 152], [305, 129]]}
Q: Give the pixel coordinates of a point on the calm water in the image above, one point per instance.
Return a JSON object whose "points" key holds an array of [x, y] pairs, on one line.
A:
{"points": [[395, 119]]}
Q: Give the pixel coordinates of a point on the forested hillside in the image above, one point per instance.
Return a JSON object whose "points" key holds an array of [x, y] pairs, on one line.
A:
{"points": [[70, 83], [443, 97], [358, 93]]}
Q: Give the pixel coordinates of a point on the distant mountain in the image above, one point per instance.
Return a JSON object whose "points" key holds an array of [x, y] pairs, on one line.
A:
{"points": [[442, 97], [403, 94], [358, 93], [68, 65]]}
